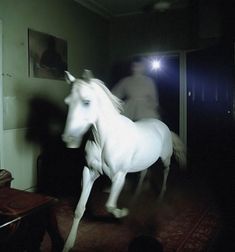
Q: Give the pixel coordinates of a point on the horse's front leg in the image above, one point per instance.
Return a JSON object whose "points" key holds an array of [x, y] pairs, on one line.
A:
{"points": [[88, 179], [111, 205]]}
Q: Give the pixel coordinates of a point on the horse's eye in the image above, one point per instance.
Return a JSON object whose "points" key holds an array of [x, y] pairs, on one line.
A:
{"points": [[86, 102]]}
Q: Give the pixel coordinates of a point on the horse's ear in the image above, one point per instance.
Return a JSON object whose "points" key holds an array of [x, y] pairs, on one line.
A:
{"points": [[87, 75], [69, 77]]}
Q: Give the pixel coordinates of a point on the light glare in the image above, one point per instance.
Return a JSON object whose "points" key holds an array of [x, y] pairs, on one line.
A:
{"points": [[155, 64]]}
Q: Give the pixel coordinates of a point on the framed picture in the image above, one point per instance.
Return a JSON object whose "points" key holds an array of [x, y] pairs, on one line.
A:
{"points": [[47, 55]]}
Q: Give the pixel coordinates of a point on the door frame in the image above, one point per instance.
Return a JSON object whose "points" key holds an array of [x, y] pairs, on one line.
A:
{"points": [[1, 99], [183, 97]]}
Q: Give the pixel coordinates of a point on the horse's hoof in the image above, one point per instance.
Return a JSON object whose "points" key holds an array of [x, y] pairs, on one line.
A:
{"points": [[118, 213]]}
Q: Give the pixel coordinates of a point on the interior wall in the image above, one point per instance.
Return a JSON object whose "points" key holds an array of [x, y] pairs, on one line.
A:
{"points": [[203, 24], [150, 32], [86, 49]]}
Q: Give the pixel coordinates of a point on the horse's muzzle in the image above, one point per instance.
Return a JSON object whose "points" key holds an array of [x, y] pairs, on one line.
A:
{"points": [[71, 141]]}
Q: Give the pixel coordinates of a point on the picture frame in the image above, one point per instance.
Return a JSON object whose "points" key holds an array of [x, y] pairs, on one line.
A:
{"points": [[47, 55]]}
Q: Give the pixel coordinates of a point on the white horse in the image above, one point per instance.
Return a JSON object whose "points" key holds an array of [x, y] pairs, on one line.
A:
{"points": [[118, 146]]}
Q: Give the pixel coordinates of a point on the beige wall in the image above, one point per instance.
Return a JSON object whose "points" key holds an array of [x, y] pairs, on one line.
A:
{"points": [[62, 18], [87, 36]]}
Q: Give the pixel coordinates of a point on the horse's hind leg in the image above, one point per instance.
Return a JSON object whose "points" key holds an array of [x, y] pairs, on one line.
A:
{"points": [[140, 183], [89, 177], [111, 204], [166, 163]]}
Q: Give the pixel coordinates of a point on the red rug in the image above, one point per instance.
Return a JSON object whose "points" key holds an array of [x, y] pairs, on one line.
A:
{"points": [[192, 230], [182, 223]]}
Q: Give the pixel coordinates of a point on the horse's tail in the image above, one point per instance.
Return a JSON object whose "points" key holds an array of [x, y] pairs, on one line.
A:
{"points": [[179, 149]]}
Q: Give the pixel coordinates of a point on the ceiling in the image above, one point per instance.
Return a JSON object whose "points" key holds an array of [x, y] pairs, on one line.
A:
{"points": [[114, 8]]}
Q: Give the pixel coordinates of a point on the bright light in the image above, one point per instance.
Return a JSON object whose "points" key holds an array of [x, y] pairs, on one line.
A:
{"points": [[155, 64]]}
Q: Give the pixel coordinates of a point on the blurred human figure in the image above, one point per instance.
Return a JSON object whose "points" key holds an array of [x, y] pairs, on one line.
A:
{"points": [[138, 92], [145, 243], [140, 96]]}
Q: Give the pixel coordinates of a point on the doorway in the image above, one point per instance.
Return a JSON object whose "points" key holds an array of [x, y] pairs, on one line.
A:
{"points": [[167, 80]]}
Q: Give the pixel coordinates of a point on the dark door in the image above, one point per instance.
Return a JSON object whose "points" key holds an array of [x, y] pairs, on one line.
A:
{"points": [[210, 83]]}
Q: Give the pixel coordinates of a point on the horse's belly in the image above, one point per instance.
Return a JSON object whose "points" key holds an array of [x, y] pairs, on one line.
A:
{"points": [[146, 155], [131, 158]]}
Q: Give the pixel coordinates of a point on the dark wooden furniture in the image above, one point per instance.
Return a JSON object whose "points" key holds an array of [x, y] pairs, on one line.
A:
{"points": [[24, 218], [5, 178]]}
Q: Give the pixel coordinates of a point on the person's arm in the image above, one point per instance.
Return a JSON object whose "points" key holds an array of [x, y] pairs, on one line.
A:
{"points": [[119, 89]]}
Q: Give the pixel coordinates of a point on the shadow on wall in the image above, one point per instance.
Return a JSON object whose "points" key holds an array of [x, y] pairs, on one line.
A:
{"points": [[59, 168]]}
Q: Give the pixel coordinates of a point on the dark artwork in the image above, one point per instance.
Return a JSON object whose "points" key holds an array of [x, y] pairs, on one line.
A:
{"points": [[47, 56]]}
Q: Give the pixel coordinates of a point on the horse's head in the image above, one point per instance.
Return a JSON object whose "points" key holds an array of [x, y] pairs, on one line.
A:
{"points": [[83, 109]]}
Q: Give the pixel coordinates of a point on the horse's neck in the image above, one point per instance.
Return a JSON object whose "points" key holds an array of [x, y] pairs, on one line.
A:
{"points": [[105, 128]]}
